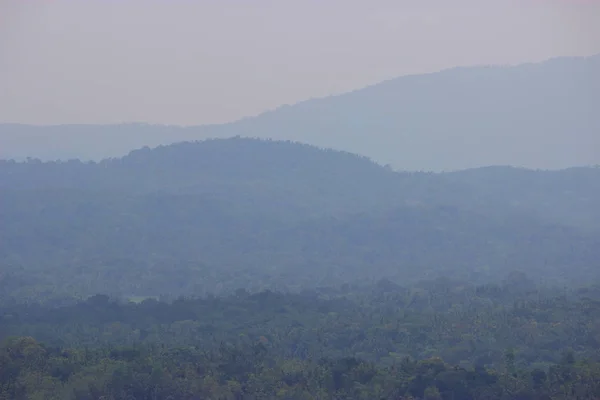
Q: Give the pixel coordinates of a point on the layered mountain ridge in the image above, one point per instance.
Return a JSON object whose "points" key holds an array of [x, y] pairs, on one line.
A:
{"points": [[541, 115], [218, 215]]}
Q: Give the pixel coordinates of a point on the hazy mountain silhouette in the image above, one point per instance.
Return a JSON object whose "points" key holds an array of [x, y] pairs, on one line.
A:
{"points": [[542, 115], [281, 175]]}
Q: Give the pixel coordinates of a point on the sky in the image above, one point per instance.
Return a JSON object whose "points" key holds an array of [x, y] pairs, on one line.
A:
{"points": [[189, 62]]}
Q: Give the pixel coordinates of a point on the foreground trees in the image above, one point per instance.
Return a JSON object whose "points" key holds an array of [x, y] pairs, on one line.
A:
{"points": [[30, 370], [440, 340]]}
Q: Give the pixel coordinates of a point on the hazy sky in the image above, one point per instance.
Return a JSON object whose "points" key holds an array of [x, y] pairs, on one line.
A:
{"points": [[200, 61]]}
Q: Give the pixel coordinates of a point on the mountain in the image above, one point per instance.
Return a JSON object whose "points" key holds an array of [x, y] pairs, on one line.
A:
{"points": [[217, 215], [541, 115]]}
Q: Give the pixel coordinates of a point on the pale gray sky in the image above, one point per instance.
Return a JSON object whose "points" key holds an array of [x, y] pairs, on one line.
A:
{"points": [[199, 61]]}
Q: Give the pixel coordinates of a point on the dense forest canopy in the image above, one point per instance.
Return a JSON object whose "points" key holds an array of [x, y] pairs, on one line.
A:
{"points": [[502, 341], [259, 269]]}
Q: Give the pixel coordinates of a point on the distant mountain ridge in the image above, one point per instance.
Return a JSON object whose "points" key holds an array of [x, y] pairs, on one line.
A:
{"points": [[284, 174], [541, 115]]}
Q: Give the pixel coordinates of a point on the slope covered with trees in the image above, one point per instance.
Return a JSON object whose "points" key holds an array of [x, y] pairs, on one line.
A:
{"points": [[252, 269], [218, 215]]}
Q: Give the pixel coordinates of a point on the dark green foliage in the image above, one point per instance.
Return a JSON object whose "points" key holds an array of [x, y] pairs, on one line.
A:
{"points": [[475, 326], [29, 370]]}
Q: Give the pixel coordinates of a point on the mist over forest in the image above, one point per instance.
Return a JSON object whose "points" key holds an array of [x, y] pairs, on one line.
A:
{"points": [[218, 215], [271, 260]]}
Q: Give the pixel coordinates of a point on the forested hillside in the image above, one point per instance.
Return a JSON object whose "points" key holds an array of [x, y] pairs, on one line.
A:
{"points": [[218, 215], [260, 269]]}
